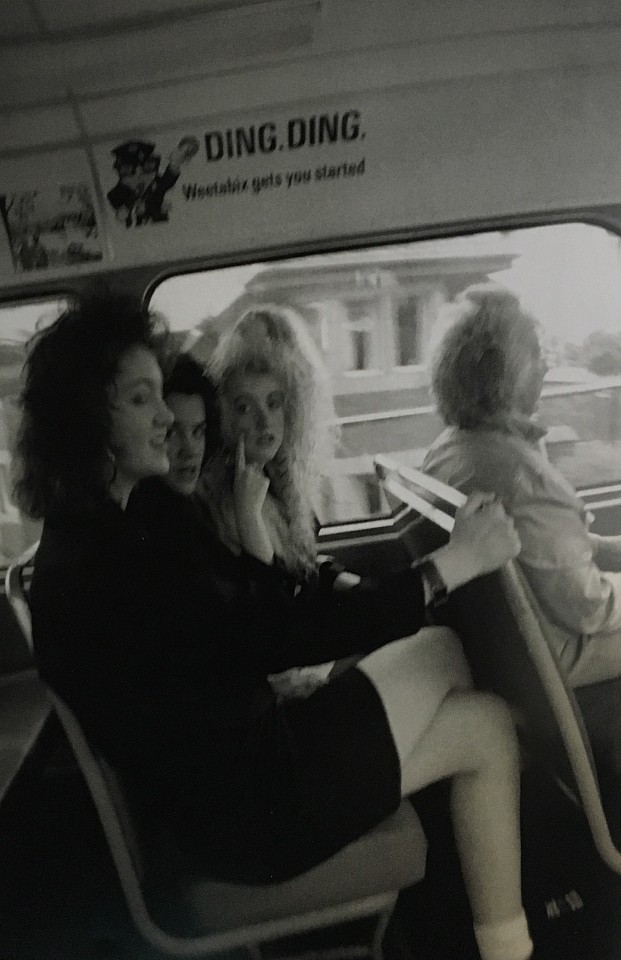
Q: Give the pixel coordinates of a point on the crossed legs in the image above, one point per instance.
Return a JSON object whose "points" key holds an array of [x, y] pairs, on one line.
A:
{"points": [[442, 728]]}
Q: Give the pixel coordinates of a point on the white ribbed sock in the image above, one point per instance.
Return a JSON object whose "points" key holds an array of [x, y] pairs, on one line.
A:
{"points": [[506, 940]]}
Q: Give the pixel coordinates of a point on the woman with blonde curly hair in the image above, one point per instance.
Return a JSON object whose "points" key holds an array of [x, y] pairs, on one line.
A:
{"points": [[277, 424]]}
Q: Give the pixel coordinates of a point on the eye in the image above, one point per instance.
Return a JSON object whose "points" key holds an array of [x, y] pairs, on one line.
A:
{"points": [[241, 406], [140, 398], [275, 400], [199, 430]]}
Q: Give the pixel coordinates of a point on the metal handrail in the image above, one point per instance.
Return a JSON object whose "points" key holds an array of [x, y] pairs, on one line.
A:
{"points": [[606, 383]]}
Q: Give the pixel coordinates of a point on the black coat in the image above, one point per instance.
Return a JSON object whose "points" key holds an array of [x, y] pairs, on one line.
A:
{"points": [[161, 641]]}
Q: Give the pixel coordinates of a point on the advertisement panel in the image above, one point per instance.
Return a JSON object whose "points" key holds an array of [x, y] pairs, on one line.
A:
{"points": [[183, 190]]}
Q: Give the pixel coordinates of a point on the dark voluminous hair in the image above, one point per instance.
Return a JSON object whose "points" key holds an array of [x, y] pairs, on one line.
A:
{"points": [[62, 458], [185, 375], [476, 368]]}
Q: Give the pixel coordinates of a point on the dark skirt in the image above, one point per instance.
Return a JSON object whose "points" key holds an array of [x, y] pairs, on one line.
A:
{"points": [[320, 773]]}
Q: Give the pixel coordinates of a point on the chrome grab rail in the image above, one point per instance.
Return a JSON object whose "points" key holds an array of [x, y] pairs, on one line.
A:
{"points": [[395, 478]]}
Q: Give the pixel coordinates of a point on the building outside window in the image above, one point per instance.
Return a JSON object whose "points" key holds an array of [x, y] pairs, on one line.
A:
{"points": [[408, 318], [360, 337], [17, 324]]}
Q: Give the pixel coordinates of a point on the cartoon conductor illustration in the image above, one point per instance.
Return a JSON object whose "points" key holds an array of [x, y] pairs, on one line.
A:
{"points": [[139, 195]]}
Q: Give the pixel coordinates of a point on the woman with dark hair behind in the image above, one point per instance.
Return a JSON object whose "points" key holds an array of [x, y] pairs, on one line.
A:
{"points": [[194, 435], [136, 629]]}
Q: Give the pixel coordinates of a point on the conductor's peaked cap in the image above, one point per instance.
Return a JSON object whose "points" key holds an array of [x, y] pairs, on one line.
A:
{"points": [[133, 152]]}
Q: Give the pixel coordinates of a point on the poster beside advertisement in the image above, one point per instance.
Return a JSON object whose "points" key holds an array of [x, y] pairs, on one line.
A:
{"points": [[51, 226], [49, 219]]}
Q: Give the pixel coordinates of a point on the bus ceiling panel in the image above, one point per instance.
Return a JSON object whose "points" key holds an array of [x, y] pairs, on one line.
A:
{"points": [[110, 110], [362, 21], [205, 39], [18, 20], [155, 51], [65, 16], [75, 20], [38, 127]]}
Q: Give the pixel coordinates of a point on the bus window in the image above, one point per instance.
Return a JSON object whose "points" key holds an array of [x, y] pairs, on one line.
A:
{"points": [[374, 314], [17, 324]]}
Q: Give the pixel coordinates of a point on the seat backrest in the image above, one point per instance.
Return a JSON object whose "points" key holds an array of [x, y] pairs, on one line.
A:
{"points": [[104, 785], [16, 592], [504, 636], [113, 809]]}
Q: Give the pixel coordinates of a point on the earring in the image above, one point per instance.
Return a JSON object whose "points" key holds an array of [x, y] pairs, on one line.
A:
{"points": [[112, 461]]}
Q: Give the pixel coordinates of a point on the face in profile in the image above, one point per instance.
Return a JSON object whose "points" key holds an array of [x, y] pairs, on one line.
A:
{"points": [[186, 441], [139, 418], [254, 407]]}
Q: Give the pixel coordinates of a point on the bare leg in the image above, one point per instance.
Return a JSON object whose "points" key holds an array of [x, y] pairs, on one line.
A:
{"points": [[413, 677], [469, 737]]}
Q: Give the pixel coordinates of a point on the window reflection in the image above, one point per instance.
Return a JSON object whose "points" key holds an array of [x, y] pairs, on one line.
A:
{"points": [[17, 324]]}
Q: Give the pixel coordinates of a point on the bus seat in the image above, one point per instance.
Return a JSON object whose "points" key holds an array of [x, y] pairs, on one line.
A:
{"points": [[187, 915], [600, 705], [503, 632], [24, 705], [24, 708], [362, 880]]}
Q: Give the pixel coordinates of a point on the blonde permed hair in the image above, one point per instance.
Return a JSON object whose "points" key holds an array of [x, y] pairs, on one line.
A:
{"points": [[477, 365], [274, 341]]}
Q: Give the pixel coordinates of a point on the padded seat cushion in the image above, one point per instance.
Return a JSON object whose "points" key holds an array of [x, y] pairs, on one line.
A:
{"points": [[390, 857], [600, 704], [24, 708]]}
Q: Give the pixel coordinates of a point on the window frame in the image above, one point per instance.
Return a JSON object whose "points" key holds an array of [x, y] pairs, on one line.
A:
{"points": [[606, 217]]}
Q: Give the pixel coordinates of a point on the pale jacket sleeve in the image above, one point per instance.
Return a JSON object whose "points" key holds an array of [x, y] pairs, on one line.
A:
{"points": [[557, 552], [557, 556]]}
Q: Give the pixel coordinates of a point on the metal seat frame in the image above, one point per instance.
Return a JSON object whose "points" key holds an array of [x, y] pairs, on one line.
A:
{"points": [[515, 659]]}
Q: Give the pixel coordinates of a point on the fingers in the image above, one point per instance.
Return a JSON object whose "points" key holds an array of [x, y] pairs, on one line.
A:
{"points": [[240, 455], [475, 501]]}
